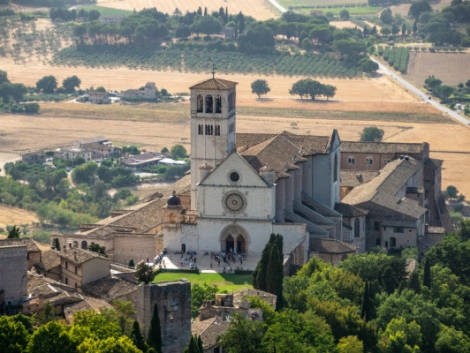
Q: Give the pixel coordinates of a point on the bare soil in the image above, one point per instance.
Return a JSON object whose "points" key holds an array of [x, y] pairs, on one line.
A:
{"points": [[15, 216], [451, 68]]}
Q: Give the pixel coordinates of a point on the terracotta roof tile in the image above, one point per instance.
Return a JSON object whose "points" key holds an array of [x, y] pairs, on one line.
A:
{"points": [[30, 244], [215, 84], [382, 147], [332, 246]]}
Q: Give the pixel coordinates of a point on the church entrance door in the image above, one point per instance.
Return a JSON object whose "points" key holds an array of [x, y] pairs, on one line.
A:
{"points": [[241, 244], [229, 244]]}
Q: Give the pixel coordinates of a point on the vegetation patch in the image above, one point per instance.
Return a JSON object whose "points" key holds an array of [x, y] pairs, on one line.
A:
{"points": [[225, 282]]}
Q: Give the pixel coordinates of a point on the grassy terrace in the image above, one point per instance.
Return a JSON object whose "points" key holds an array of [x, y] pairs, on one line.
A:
{"points": [[225, 282]]}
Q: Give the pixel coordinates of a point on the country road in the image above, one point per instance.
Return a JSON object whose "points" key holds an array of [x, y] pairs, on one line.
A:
{"points": [[278, 6], [424, 96]]}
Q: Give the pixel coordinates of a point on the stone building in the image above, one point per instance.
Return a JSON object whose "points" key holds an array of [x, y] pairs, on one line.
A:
{"points": [[79, 267], [33, 254], [148, 92], [98, 97], [13, 269]]}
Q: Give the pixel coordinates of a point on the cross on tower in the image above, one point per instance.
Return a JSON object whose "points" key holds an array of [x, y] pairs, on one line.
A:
{"points": [[213, 70]]}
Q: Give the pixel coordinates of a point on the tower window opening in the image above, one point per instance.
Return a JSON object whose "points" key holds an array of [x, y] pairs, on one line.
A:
{"points": [[218, 104], [209, 104], [200, 129], [217, 130], [200, 104], [209, 129], [231, 102]]}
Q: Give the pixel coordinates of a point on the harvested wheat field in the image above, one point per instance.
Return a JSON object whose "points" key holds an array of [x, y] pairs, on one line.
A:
{"points": [[343, 24], [259, 9], [451, 68], [15, 216], [19, 133]]}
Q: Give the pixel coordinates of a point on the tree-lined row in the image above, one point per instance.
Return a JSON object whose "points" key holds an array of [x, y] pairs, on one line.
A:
{"points": [[396, 57]]}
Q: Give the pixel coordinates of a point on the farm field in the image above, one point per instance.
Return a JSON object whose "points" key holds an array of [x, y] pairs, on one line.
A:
{"points": [[287, 3], [379, 89], [359, 10], [16, 216], [451, 68], [403, 9], [448, 140], [226, 282], [259, 9]]}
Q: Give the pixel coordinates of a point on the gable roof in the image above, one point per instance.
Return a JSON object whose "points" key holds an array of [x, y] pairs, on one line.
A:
{"points": [[331, 246], [28, 242], [353, 178], [281, 152], [209, 330], [383, 147], [385, 189], [215, 84], [80, 256]]}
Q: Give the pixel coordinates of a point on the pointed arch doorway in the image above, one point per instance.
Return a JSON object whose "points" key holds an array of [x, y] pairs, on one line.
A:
{"points": [[234, 239]]}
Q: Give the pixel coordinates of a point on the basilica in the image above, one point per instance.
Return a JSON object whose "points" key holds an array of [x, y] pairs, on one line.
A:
{"points": [[244, 187]]}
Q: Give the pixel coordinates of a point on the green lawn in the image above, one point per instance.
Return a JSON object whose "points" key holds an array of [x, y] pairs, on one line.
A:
{"points": [[107, 11], [225, 282]]}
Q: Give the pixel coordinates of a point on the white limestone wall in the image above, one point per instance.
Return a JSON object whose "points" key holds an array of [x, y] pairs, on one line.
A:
{"points": [[182, 234]]}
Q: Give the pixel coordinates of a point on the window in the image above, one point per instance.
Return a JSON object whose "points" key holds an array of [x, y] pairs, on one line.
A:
{"points": [[398, 230], [76, 286], [357, 228], [66, 281], [377, 241], [76, 269], [200, 104], [351, 160], [370, 160], [217, 130], [200, 129], [209, 130], [335, 166], [231, 101], [209, 104], [234, 176], [218, 104], [393, 242], [66, 265]]}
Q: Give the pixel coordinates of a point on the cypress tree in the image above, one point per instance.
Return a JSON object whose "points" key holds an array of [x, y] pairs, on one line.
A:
{"points": [[154, 339], [427, 278], [199, 345], [274, 274], [137, 337], [413, 282], [194, 345], [367, 310], [259, 274]]}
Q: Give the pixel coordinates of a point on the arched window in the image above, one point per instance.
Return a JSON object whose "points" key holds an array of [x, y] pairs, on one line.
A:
{"points": [[393, 242], [209, 104], [240, 244], [229, 243], [84, 244], [218, 104], [357, 228], [200, 104], [335, 168]]}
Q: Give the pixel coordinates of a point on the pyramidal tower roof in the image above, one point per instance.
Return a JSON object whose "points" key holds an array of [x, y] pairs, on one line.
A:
{"points": [[215, 84]]}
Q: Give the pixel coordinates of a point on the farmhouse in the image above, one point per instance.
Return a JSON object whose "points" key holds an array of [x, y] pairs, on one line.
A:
{"points": [[142, 160], [91, 149], [148, 92], [243, 187]]}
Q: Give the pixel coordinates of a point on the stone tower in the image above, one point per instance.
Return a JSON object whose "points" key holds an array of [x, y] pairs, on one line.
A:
{"points": [[212, 127]]}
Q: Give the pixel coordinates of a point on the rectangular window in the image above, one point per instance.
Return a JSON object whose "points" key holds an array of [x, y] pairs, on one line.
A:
{"points": [[217, 130], [351, 160], [209, 130], [376, 225], [76, 269], [370, 160], [66, 265], [398, 230], [200, 129]]}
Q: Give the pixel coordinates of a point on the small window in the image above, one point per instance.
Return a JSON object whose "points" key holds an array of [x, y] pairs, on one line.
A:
{"points": [[357, 228], [393, 242], [209, 130], [66, 265], [234, 176], [200, 129], [66, 281], [200, 104], [209, 104], [398, 230], [217, 130], [370, 160], [377, 241], [335, 170], [76, 269], [218, 104], [351, 160]]}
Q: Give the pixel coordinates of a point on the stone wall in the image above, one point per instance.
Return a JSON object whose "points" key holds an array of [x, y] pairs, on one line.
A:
{"points": [[13, 267], [174, 308]]}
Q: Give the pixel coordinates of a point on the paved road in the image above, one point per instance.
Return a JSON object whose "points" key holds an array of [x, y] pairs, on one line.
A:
{"points": [[425, 97], [278, 6]]}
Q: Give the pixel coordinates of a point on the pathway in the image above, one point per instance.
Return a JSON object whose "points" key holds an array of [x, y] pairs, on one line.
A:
{"points": [[424, 96], [278, 6]]}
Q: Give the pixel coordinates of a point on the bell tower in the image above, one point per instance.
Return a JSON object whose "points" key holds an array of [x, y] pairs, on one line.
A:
{"points": [[212, 127]]}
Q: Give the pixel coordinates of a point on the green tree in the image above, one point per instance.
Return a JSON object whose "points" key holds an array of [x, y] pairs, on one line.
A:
{"points": [[452, 191], [3, 77], [137, 337], [13, 335], [85, 173], [154, 338], [372, 134], [444, 92], [431, 83], [368, 66], [14, 233], [47, 84], [243, 336], [260, 87], [200, 293], [178, 151], [207, 25], [427, 276], [386, 16], [350, 344], [401, 337], [367, 310], [275, 271], [51, 338], [70, 83], [122, 344], [131, 263], [449, 340], [414, 282], [144, 273], [419, 7], [194, 345], [344, 15]]}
